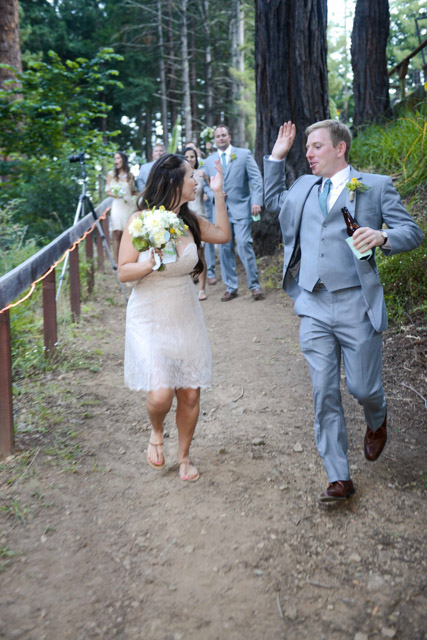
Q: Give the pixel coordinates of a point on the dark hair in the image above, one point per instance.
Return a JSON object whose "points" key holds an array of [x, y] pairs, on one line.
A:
{"points": [[125, 167], [164, 187], [195, 153]]}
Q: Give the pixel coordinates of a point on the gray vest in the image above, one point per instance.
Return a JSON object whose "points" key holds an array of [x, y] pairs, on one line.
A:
{"points": [[325, 255]]}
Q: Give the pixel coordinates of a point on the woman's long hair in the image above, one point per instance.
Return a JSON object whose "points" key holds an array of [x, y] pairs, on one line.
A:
{"points": [[195, 153], [164, 187], [125, 167]]}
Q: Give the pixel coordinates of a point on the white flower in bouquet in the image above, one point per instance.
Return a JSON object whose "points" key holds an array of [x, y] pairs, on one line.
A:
{"points": [[207, 135], [155, 228], [117, 190]]}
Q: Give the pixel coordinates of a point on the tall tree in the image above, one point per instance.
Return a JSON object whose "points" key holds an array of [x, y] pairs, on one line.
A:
{"points": [[237, 72], [291, 72], [162, 70], [369, 61], [208, 62], [10, 48], [408, 28], [188, 122], [292, 84]]}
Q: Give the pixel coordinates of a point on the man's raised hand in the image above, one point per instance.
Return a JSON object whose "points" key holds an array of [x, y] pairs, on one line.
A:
{"points": [[285, 140]]}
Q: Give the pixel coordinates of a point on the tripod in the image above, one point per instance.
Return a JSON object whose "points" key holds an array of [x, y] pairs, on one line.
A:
{"points": [[80, 212]]}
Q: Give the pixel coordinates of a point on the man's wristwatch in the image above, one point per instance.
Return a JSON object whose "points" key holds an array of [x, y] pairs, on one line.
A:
{"points": [[385, 236]]}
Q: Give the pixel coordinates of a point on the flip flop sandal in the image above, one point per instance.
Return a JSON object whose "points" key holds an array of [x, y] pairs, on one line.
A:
{"points": [[184, 476], [162, 463]]}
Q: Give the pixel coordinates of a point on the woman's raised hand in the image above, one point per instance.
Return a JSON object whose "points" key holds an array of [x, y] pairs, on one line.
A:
{"points": [[217, 180]]}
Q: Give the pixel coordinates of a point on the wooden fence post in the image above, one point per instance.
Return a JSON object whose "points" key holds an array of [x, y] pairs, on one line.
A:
{"points": [[74, 284], [49, 313], [100, 250], [89, 257], [106, 228], [6, 407]]}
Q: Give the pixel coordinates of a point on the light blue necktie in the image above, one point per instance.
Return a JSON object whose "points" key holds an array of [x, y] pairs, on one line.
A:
{"points": [[224, 161], [323, 198]]}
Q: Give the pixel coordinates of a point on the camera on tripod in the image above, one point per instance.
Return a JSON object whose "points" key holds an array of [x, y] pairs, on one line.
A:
{"points": [[80, 157]]}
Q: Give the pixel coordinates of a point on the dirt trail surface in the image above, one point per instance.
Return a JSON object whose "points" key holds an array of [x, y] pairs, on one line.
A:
{"points": [[106, 547]]}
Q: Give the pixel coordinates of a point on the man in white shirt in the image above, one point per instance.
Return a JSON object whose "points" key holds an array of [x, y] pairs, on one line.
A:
{"points": [[337, 295], [243, 189]]}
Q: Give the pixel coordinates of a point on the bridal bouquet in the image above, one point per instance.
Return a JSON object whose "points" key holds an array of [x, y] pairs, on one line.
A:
{"points": [[157, 229], [117, 190]]}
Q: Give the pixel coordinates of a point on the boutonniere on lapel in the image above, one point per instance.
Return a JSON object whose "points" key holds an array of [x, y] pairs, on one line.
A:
{"points": [[355, 185], [233, 157]]}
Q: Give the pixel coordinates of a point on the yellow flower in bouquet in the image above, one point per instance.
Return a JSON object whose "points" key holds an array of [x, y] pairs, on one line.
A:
{"points": [[155, 228]]}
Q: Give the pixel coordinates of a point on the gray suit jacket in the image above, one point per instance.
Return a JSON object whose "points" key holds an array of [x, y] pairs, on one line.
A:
{"points": [[242, 182], [143, 175], [380, 204]]}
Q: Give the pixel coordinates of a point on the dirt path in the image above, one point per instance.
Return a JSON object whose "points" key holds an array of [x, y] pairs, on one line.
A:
{"points": [[106, 547]]}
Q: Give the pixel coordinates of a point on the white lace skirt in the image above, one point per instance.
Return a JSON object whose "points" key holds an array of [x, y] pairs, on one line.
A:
{"points": [[167, 344]]}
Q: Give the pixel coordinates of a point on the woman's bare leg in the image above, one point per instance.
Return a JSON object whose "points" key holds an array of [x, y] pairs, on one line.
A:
{"points": [[158, 406], [187, 414]]}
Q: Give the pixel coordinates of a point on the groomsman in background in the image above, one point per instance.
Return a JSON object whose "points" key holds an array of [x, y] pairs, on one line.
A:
{"points": [[158, 151], [244, 198]]}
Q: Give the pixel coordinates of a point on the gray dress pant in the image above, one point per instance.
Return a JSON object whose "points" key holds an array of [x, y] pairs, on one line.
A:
{"points": [[334, 324]]}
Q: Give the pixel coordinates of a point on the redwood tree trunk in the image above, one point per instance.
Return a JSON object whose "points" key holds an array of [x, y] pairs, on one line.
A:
{"points": [[292, 84], [10, 47], [369, 61]]}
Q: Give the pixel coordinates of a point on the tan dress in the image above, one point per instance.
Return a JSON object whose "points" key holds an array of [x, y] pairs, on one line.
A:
{"points": [[121, 207], [166, 343]]}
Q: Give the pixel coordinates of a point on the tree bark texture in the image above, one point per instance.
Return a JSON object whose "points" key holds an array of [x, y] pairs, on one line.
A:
{"points": [[188, 122], [238, 65], [292, 84], [193, 79], [171, 67], [208, 65], [369, 61], [10, 48], [162, 71]]}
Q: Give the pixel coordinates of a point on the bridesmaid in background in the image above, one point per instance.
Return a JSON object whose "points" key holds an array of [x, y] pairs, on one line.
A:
{"points": [[198, 206], [120, 186]]}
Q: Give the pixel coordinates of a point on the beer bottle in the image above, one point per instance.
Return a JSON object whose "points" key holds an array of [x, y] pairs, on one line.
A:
{"points": [[351, 228], [350, 221]]}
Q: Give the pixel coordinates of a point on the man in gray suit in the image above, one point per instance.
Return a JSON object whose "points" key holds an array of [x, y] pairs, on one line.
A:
{"points": [[338, 296], [243, 190], [158, 151]]}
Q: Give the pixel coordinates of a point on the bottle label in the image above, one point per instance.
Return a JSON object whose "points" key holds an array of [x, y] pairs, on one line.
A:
{"points": [[365, 255]]}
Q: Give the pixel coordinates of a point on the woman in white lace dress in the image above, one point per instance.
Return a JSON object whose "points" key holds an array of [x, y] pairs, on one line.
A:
{"points": [[198, 206], [167, 350], [120, 186]]}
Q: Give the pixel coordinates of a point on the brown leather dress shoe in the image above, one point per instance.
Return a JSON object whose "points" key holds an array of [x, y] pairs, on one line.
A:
{"points": [[257, 294], [229, 295], [339, 490], [375, 441]]}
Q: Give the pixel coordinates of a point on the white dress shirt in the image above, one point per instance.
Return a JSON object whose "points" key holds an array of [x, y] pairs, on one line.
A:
{"points": [[339, 180], [227, 152]]}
